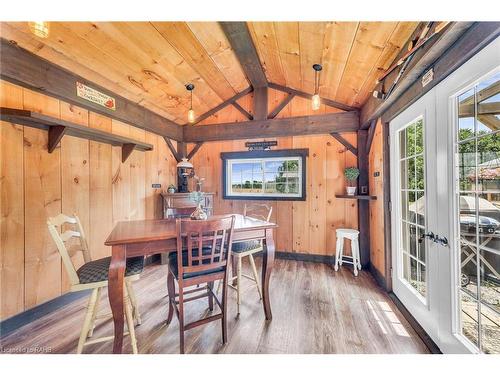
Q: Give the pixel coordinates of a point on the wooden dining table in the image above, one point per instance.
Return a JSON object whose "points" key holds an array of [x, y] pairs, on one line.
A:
{"points": [[147, 237]]}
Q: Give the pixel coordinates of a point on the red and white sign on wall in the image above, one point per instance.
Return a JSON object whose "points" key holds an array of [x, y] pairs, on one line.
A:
{"points": [[94, 96]]}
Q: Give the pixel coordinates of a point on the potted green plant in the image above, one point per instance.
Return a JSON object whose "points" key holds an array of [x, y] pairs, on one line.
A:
{"points": [[351, 175], [198, 197], [171, 189]]}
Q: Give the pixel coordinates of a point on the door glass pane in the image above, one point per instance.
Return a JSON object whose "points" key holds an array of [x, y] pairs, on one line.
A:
{"points": [[478, 172], [412, 205]]}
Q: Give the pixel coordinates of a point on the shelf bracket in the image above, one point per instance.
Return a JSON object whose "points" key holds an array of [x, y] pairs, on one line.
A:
{"points": [[55, 135], [127, 149]]}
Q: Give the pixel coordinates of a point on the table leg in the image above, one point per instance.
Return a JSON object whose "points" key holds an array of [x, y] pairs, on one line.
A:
{"points": [[267, 266], [115, 291]]}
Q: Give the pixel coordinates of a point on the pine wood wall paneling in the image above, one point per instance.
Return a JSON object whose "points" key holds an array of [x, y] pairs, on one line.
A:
{"points": [[376, 184], [75, 176], [152, 176], [11, 207], [137, 178], [121, 176], [101, 189], [42, 199]]}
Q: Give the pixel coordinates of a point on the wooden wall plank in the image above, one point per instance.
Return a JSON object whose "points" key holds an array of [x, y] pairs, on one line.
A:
{"points": [[42, 199], [101, 189], [11, 207], [152, 176], [137, 178], [376, 185], [121, 176]]}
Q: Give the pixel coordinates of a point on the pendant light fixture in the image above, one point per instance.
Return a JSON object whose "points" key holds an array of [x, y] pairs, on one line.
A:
{"points": [[39, 28], [316, 101], [191, 116]]}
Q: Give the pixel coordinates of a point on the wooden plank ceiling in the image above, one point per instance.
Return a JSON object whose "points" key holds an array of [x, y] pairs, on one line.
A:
{"points": [[150, 63]]}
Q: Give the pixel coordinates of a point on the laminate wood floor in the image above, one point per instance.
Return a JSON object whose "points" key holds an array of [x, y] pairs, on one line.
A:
{"points": [[315, 310]]}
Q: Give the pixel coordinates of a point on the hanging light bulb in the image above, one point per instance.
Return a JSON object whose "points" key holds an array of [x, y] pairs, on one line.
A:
{"points": [[191, 114], [316, 100], [39, 28]]}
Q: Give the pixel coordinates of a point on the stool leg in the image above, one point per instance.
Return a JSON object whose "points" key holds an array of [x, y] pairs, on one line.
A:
{"points": [[133, 300], [359, 256], [337, 254], [354, 250], [255, 274]]}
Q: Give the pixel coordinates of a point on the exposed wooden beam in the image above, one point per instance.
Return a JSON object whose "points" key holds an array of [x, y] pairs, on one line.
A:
{"points": [[242, 110], [239, 37], [26, 69], [302, 94], [428, 54], [467, 110], [194, 150], [319, 124], [260, 103], [182, 150], [280, 106], [472, 41], [55, 135], [223, 105], [371, 134], [172, 148], [345, 143]]}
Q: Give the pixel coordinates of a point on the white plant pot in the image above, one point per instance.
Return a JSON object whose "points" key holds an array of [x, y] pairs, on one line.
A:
{"points": [[351, 190]]}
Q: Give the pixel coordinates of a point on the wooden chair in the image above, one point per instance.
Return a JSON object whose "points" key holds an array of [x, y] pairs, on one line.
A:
{"points": [[203, 252], [93, 274], [241, 250]]}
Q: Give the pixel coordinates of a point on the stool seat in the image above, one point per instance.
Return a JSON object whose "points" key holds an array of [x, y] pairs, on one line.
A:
{"points": [[349, 233], [352, 235]]}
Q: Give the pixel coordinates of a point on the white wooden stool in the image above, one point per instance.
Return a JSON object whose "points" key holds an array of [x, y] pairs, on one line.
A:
{"points": [[350, 234]]}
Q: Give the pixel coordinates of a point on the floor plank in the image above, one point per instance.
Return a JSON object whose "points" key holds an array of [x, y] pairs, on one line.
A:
{"points": [[315, 310]]}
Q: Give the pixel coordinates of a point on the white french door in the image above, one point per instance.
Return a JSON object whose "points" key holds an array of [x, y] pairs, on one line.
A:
{"points": [[445, 194]]}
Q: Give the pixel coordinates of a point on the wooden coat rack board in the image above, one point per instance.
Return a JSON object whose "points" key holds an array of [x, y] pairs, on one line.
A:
{"points": [[59, 128]]}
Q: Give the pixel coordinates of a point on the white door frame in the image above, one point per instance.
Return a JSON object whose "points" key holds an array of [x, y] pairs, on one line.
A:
{"points": [[425, 310], [483, 64]]}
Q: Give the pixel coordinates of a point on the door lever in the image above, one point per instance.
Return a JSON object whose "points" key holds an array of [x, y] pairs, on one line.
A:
{"points": [[441, 240], [429, 235]]}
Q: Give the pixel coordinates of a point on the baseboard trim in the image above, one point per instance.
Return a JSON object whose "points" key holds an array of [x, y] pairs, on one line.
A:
{"points": [[327, 259], [15, 322], [431, 345], [377, 275]]}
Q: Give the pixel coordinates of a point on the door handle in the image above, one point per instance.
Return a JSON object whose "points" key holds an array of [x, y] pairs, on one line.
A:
{"points": [[443, 241], [429, 235]]}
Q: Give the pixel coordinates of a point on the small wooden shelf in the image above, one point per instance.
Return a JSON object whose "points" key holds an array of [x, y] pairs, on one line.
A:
{"points": [[359, 197], [59, 128]]}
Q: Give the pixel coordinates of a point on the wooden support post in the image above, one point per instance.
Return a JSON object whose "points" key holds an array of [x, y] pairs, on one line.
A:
{"points": [[172, 149], [260, 103], [363, 205], [371, 134], [182, 150], [194, 150], [345, 143], [55, 135], [280, 106]]}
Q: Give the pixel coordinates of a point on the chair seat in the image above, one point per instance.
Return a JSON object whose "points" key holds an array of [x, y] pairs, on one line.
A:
{"points": [[241, 247], [97, 270], [172, 263]]}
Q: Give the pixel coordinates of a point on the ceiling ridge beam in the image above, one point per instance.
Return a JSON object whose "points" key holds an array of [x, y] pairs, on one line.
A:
{"points": [[302, 94], [242, 44], [282, 127], [24, 68], [222, 105]]}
